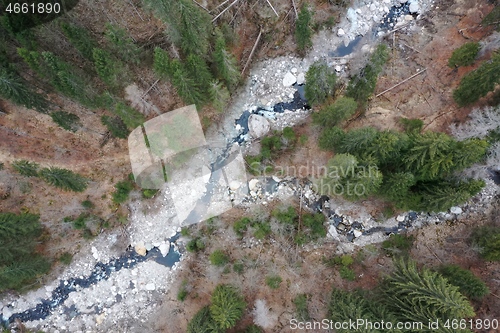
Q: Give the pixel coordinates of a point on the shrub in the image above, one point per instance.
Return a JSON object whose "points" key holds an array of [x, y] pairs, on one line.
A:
{"points": [[88, 204], [273, 281], [300, 302], [347, 274], [182, 293], [218, 258], [488, 240], [241, 225], [195, 245], [149, 193], [115, 126], [26, 168], [469, 284], [202, 322], [464, 55], [289, 135], [122, 191], [66, 258], [398, 244], [68, 121], [262, 230], [321, 83], [253, 329], [238, 267]]}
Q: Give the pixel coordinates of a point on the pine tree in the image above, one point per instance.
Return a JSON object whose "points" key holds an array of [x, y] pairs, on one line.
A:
{"points": [[464, 55], [198, 70], [64, 179], [26, 168], [122, 45], [80, 39], [331, 138], [115, 126], [108, 68], [202, 322], [479, 82], [303, 29], [162, 63], [189, 27], [14, 88], [219, 95], [130, 116], [225, 63], [19, 264], [358, 141], [396, 186], [333, 114], [430, 156], [186, 86], [227, 306], [68, 121], [321, 83], [424, 295]]}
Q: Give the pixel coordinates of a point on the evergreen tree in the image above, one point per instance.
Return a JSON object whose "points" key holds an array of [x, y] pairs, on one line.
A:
{"points": [[108, 68], [130, 116], [321, 82], [225, 63], [420, 296], [115, 126], [396, 186], [189, 27], [331, 138], [122, 45], [68, 121], [333, 114], [430, 156], [198, 70], [26, 168], [303, 29], [487, 238], [464, 55], [358, 141], [19, 264], [186, 86], [162, 63], [468, 152], [14, 88], [80, 39], [479, 82], [219, 95], [64, 179], [362, 86], [469, 284], [227, 306], [202, 322]]}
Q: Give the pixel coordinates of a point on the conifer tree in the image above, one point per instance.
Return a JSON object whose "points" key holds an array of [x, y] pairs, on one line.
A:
{"points": [[64, 179], [219, 95], [424, 295], [321, 83], [227, 306], [122, 45], [26, 168], [14, 88], [303, 29], [225, 62], [108, 68], [162, 63], [80, 39], [333, 114]]}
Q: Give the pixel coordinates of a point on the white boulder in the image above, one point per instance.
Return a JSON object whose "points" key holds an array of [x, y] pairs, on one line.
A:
{"points": [[340, 32], [289, 79], [357, 233], [164, 248], [456, 210], [400, 218], [252, 184], [414, 7]]}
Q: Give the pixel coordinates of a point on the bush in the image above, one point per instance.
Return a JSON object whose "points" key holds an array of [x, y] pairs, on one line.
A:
{"points": [[464, 55], [238, 267], [123, 189], [488, 240], [195, 245], [115, 126], [26, 168], [347, 274], [182, 293], [412, 125], [241, 225], [301, 309], [333, 114], [469, 284], [202, 322], [149, 193], [273, 281], [321, 83], [289, 135], [64, 179], [66, 258], [262, 230], [218, 258], [68, 121], [398, 244], [88, 204]]}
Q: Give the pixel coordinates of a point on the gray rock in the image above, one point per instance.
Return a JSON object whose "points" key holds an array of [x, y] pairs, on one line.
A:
{"points": [[400, 218], [340, 32], [289, 79], [414, 7], [301, 78], [258, 126], [150, 286], [456, 210], [164, 248]]}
